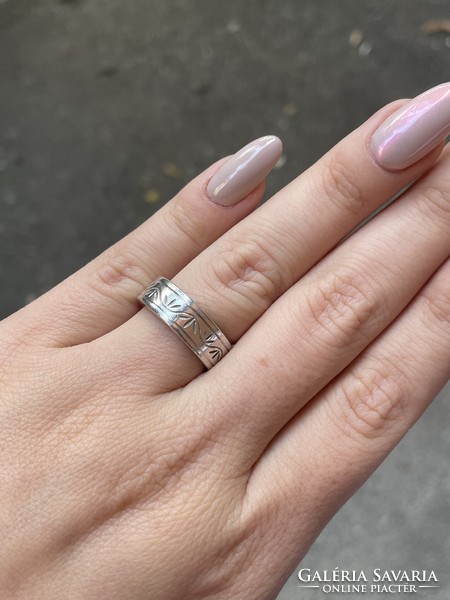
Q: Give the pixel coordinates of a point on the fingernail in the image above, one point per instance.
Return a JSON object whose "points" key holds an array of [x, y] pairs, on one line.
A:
{"points": [[413, 130], [243, 171]]}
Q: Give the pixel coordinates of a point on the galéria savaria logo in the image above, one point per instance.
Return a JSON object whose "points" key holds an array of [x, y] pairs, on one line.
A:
{"points": [[377, 581]]}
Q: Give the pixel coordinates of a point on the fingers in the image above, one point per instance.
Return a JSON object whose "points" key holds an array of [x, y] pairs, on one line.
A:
{"points": [[323, 322], [103, 294], [236, 279], [351, 426]]}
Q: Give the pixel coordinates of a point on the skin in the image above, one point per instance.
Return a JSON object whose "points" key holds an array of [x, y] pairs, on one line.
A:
{"points": [[129, 473]]}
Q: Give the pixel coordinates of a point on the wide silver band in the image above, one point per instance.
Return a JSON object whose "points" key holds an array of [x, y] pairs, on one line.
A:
{"points": [[187, 320]]}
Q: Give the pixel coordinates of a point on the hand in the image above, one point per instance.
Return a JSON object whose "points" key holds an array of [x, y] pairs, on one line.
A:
{"points": [[127, 473]]}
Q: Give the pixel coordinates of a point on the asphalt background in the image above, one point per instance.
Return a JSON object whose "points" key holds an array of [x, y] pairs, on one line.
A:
{"points": [[108, 107]]}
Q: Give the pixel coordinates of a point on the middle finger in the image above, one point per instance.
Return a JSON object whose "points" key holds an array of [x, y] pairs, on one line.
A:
{"points": [[325, 321], [237, 278]]}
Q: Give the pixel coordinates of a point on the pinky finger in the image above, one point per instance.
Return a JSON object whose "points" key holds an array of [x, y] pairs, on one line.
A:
{"points": [[102, 295], [332, 446]]}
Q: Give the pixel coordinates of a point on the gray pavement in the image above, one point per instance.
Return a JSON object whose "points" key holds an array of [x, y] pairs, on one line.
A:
{"points": [[108, 107]]}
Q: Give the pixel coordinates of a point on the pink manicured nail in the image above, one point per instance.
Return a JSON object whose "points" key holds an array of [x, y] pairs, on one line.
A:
{"points": [[243, 171], [413, 130]]}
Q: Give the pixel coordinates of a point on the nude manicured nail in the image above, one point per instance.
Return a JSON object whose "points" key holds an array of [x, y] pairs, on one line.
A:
{"points": [[244, 171], [413, 130]]}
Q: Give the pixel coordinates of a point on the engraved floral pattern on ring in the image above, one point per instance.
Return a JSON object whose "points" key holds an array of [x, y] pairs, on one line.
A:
{"points": [[187, 320]]}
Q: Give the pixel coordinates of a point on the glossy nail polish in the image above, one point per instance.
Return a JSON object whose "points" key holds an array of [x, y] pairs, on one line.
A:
{"points": [[413, 130], [244, 171]]}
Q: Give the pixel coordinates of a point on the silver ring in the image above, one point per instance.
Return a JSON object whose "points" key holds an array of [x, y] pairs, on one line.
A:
{"points": [[187, 320]]}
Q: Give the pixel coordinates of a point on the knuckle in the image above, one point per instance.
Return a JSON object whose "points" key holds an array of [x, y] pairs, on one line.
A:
{"points": [[170, 462], [341, 186], [249, 269], [190, 224], [438, 305], [118, 271], [372, 401], [342, 306], [436, 201]]}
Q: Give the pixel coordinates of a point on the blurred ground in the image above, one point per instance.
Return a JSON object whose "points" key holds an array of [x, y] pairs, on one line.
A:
{"points": [[108, 107]]}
